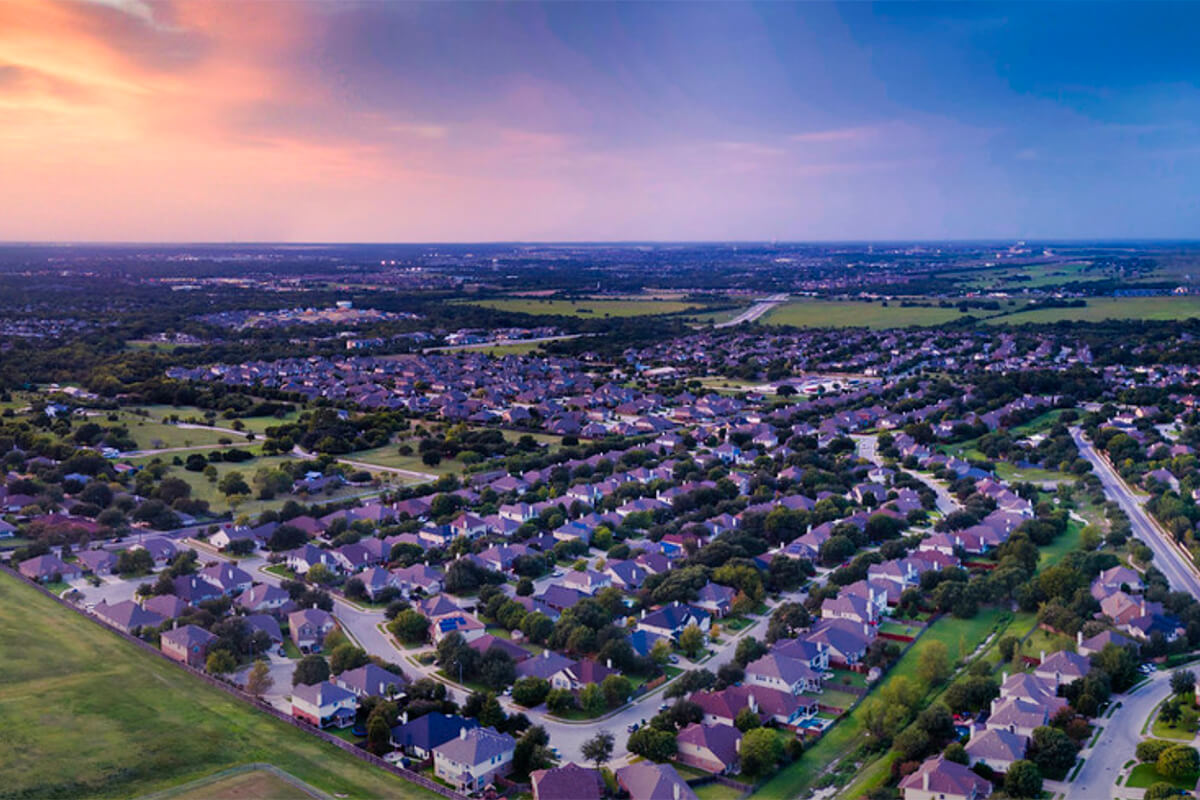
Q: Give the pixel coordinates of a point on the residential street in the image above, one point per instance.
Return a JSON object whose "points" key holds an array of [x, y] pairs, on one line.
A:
{"points": [[1167, 557], [868, 449], [1117, 743]]}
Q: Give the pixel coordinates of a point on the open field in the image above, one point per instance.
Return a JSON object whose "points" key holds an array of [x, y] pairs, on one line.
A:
{"points": [[586, 309], [1099, 309], [84, 713], [256, 425], [254, 785], [855, 314], [1144, 775]]}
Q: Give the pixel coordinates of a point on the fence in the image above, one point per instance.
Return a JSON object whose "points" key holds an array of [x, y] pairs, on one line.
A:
{"points": [[258, 703]]}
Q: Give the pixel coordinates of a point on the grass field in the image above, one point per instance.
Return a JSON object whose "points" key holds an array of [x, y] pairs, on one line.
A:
{"points": [[586, 309], [1099, 309], [85, 714], [854, 314], [252, 785]]}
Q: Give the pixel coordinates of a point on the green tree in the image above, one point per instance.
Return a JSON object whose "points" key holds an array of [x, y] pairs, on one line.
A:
{"points": [[747, 720], [591, 699], [649, 742], [933, 664], [912, 743], [617, 690], [956, 753], [560, 700], [761, 751], [1023, 780], [379, 735], [1161, 791], [660, 652], [599, 748], [1051, 749], [347, 656], [1183, 681], [234, 483], [321, 575], [1178, 762], [310, 670], [259, 680], [530, 691], [220, 662], [691, 641], [410, 627]]}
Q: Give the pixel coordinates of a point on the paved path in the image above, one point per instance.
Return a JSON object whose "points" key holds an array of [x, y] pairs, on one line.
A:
{"points": [[407, 473], [755, 311], [1117, 742], [1168, 557]]}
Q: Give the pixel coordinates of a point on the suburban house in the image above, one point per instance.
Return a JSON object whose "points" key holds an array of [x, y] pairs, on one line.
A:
{"points": [[418, 737], [568, 782], [187, 644], [471, 759], [458, 622], [324, 704], [649, 781], [98, 562], [712, 748], [715, 598], [263, 598], [998, 749], [938, 779], [308, 628], [418, 577], [47, 568], [126, 616], [670, 621], [1063, 667], [370, 680], [786, 674], [227, 578]]}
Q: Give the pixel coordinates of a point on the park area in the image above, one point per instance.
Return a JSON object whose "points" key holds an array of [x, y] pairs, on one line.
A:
{"points": [[813, 313], [84, 713]]}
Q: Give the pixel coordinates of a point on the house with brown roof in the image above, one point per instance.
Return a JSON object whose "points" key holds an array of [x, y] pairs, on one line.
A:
{"points": [[711, 748], [996, 748], [649, 781], [939, 779], [187, 644]]}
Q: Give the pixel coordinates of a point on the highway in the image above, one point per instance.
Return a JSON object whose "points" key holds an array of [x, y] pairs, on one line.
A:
{"points": [[755, 311], [1167, 556]]}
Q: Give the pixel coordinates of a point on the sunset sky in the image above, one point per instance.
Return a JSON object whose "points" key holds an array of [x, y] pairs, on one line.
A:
{"points": [[288, 121]]}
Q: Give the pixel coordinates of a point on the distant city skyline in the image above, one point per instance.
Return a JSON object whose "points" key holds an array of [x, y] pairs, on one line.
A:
{"points": [[132, 121]]}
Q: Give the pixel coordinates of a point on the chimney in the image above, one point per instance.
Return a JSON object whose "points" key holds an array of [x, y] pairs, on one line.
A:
{"points": [[737, 745], [546, 653], [1079, 639], [404, 718], [462, 733], [925, 780], [314, 606], [675, 791], [608, 663], [1043, 658], [643, 613], [751, 703], [1004, 676]]}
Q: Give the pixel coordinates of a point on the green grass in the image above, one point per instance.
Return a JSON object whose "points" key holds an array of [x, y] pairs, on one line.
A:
{"points": [[1144, 775], [1099, 309], [389, 456], [84, 713], [717, 791], [854, 314], [586, 308], [1068, 541]]}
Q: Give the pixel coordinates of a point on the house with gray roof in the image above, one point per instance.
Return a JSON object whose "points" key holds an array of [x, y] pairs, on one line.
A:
{"points": [[472, 759]]}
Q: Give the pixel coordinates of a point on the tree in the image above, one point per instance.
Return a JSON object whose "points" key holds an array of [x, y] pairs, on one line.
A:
{"points": [[761, 750], [560, 700], [1170, 713], [599, 748], [321, 575], [310, 670], [1161, 791], [933, 664], [1178, 762], [749, 649], [591, 699], [956, 753], [347, 656], [530, 752], [747, 720], [660, 652], [410, 627], [1183, 681], [1051, 749], [617, 690], [259, 680], [233, 483], [530, 691], [912, 743], [651, 743], [1023, 780], [220, 662], [1149, 750], [379, 735], [691, 641]]}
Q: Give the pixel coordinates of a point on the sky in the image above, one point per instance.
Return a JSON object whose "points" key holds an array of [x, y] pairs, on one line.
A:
{"points": [[126, 120]]}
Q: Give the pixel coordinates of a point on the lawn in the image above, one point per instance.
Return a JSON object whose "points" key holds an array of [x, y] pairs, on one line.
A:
{"points": [[85, 714], [1064, 544], [389, 456], [585, 308], [718, 791], [856, 314], [1143, 775]]}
